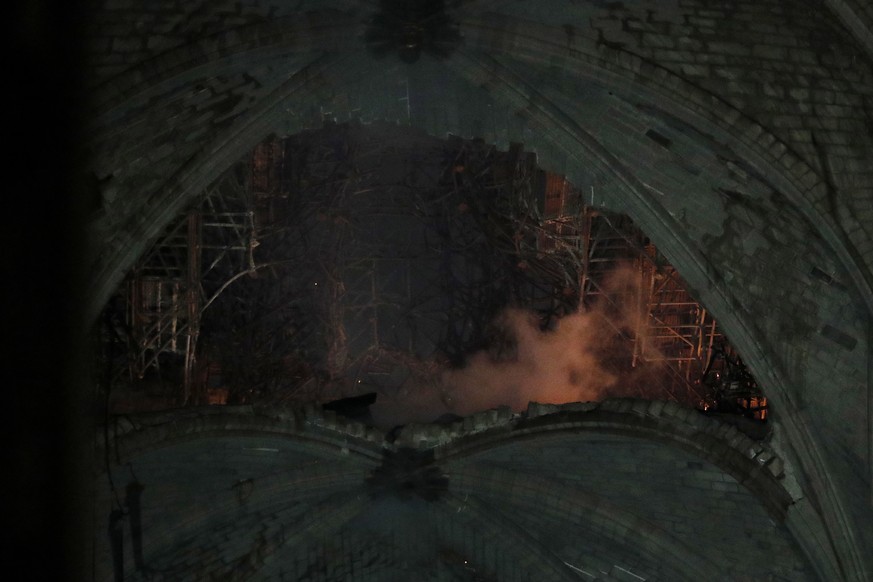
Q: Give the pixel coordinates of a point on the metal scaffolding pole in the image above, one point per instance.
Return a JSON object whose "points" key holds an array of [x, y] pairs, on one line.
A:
{"points": [[331, 260]]}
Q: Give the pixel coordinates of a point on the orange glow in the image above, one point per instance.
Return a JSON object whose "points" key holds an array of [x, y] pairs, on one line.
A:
{"points": [[217, 395]]}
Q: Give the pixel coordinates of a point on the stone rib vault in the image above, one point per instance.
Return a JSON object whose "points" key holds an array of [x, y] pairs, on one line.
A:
{"points": [[621, 490], [737, 134]]}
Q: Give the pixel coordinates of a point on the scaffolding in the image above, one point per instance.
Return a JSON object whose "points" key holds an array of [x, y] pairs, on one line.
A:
{"points": [[179, 277], [338, 261], [561, 255], [671, 327]]}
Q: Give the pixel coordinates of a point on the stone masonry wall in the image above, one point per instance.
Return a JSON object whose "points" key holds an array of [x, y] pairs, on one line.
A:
{"points": [[776, 236]]}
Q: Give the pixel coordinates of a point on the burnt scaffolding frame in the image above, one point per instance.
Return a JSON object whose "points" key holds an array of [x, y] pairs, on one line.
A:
{"points": [[320, 190], [672, 326], [560, 244], [195, 258], [380, 358]]}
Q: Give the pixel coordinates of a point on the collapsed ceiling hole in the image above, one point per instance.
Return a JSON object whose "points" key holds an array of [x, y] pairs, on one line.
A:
{"points": [[444, 276]]}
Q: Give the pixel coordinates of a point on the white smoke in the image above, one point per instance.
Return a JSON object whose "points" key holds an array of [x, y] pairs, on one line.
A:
{"points": [[583, 357]]}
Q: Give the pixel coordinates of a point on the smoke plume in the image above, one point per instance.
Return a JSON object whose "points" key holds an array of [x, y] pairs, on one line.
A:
{"points": [[584, 356]]}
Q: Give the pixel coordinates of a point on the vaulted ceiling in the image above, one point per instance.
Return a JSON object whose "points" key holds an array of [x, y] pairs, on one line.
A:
{"points": [[737, 134], [621, 490]]}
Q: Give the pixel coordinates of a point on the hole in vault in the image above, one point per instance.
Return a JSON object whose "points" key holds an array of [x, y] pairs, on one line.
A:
{"points": [[445, 276]]}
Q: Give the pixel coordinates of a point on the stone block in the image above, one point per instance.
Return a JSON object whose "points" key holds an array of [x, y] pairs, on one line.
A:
{"points": [[662, 41], [777, 467], [655, 408], [580, 406], [481, 421], [535, 409], [729, 48], [765, 457], [670, 409], [776, 53], [356, 429], [695, 70], [617, 404], [375, 435]]}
